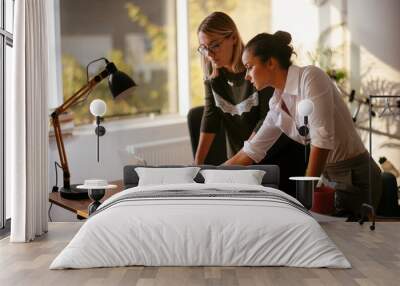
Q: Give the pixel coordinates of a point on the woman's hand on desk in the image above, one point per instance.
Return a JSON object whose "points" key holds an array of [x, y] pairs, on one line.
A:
{"points": [[240, 158]]}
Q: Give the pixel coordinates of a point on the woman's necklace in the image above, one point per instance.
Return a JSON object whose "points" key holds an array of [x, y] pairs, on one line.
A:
{"points": [[231, 78]]}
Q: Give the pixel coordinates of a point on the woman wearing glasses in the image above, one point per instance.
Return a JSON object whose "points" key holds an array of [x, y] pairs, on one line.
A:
{"points": [[232, 100], [337, 151]]}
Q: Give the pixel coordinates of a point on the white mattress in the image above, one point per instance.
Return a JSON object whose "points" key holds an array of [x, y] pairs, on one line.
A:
{"points": [[200, 231]]}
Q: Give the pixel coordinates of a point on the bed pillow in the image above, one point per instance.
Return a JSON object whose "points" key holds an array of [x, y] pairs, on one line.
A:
{"points": [[248, 177], [163, 176]]}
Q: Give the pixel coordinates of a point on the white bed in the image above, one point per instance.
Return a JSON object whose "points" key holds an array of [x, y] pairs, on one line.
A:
{"points": [[246, 229]]}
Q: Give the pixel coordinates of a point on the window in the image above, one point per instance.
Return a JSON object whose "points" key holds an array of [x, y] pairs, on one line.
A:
{"points": [[9, 16], [6, 43], [251, 17], [138, 36]]}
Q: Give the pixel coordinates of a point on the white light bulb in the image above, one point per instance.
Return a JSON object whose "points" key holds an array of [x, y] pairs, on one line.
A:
{"points": [[305, 107], [98, 107]]}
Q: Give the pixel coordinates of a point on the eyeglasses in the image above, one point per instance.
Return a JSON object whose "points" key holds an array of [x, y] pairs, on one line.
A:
{"points": [[202, 49]]}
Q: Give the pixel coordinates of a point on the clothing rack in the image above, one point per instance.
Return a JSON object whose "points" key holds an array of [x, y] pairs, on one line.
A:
{"points": [[387, 106], [363, 100]]}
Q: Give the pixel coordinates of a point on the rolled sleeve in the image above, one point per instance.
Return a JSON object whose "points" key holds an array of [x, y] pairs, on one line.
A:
{"points": [[319, 89], [267, 135]]}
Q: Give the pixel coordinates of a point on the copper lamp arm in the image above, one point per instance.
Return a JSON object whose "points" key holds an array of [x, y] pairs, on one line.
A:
{"points": [[56, 123]]}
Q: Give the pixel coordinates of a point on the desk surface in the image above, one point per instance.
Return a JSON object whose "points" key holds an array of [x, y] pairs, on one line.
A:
{"points": [[80, 207]]}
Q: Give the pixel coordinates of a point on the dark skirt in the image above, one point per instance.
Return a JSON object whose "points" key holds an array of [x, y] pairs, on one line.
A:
{"points": [[350, 179]]}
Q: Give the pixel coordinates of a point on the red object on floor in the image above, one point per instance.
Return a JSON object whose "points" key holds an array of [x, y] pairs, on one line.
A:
{"points": [[324, 198]]}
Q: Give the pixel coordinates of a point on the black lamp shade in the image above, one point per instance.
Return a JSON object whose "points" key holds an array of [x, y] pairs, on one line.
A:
{"points": [[119, 83]]}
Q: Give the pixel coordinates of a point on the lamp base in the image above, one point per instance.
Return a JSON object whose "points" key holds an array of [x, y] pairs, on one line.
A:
{"points": [[73, 193]]}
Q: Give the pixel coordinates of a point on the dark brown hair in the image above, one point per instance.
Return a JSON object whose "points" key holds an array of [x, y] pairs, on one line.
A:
{"points": [[264, 46]]}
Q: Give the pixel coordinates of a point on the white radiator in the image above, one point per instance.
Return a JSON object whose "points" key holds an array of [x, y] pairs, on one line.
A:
{"points": [[175, 151]]}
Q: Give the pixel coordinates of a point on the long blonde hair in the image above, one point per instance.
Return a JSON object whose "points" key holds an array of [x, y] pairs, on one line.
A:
{"points": [[220, 23]]}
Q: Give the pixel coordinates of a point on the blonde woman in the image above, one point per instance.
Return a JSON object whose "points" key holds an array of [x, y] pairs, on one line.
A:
{"points": [[230, 99]]}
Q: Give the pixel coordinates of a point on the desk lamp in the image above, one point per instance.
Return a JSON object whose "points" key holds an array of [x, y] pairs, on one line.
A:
{"points": [[119, 84]]}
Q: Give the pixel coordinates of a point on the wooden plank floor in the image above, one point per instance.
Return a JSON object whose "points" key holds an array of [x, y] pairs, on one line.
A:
{"points": [[375, 257]]}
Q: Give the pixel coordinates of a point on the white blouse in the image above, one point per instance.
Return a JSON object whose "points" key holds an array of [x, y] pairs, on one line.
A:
{"points": [[331, 126]]}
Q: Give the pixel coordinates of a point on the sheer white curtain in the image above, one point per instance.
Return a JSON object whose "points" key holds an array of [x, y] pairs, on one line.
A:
{"points": [[27, 123]]}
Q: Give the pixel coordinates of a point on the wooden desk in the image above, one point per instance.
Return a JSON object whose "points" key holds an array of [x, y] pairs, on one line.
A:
{"points": [[80, 207]]}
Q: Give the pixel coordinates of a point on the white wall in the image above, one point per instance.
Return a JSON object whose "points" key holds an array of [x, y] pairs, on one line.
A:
{"points": [[371, 42], [82, 156], [375, 65], [310, 25], [375, 26], [300, 19]]}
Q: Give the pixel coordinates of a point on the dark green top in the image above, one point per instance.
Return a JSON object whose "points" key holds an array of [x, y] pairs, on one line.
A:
{"points": [[234, 101]]}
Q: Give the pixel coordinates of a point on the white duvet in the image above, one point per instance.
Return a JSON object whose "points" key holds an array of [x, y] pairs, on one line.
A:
{"points": [[200, 231]]}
